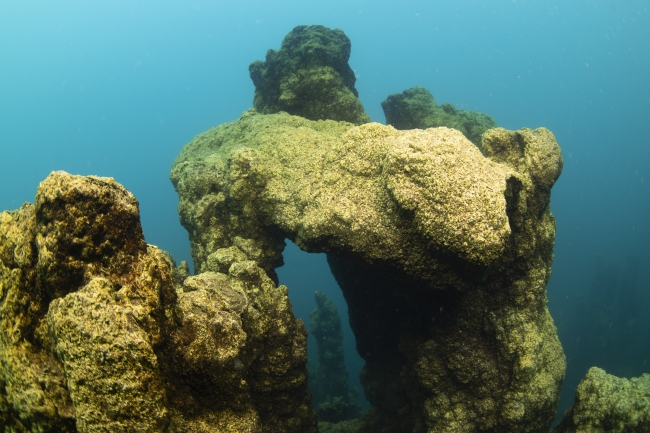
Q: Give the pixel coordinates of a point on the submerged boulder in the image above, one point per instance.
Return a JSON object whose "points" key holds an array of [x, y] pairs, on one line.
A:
{"points": [[309, 76], [606, 403], [415, 108], [99, 333], [442, 253]]}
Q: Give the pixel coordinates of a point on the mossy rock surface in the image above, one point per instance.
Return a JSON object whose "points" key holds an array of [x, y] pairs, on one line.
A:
{"points": [[98, 332], [416, 108], [442, 253], [409, 197], [309, 76], [606, 403]]}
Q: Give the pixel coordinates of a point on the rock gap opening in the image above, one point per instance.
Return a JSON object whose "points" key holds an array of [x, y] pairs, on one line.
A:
{"points": [[304, 274]]}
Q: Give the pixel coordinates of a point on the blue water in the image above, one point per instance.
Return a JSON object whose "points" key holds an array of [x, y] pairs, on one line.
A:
{"points": [[115, 88]]}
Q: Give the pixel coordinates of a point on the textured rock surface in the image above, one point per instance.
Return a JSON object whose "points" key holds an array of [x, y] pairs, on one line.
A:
{"points": [[351, 426], [411, 198], [309, 76], [606, 403], [98, 333], [442, 253], [416, 108]]}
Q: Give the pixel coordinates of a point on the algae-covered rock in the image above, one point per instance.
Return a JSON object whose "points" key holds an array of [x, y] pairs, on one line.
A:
{"points": [[442, 254], [409, 197], [416, 108], [106, 357], [239, 357], [351, 426], [99, 333], [606, 403], [332, 397], [309, 76]]}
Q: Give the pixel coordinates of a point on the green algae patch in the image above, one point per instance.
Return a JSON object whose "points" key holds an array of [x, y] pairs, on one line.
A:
{"points": [[352, 426], [415, 108], [309, 76]]}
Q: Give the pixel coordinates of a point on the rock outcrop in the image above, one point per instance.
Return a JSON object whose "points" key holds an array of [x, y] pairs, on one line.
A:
{"points": [[442, 251], [442, 254], [98, 333], [415, 108], [309, 76], [606, 403]]}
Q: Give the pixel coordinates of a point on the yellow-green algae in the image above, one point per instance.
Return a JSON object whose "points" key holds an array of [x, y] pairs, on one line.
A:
{"points": [[350, 185], [606, 403], [98, 333], [442, 253]]}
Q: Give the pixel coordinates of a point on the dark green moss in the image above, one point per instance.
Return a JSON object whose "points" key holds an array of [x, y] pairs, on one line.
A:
{"points": [[309, 76], [415, 108]]}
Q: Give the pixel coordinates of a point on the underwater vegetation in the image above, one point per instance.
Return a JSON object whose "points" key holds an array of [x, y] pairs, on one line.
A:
{"points": [[442, 250]]}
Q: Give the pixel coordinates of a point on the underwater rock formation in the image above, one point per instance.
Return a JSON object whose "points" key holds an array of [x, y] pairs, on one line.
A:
{"points": [[331, 395], [96, 336], [412, 198], [351, 426], [309, 76], [442, 254], [606, 403], [416, 108]]}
